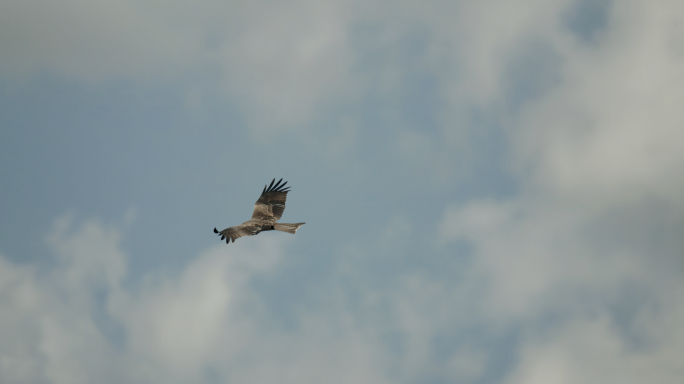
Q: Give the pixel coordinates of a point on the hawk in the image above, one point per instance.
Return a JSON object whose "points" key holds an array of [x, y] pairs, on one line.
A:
{"points": [[267, 210]]}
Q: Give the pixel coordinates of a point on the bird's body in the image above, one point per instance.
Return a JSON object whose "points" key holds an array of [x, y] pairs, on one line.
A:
{"points": [[267, 210]]}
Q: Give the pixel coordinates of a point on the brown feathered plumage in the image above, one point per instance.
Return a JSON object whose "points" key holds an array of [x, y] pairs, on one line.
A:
{"points": [[267, 210]]}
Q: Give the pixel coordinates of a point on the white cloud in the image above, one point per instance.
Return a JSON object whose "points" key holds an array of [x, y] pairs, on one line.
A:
{"points": [[590, 306], [291, 61], [181, 325], [601, 118], [74, 322], [46, 324], [586, 258], [282, 63], [610, 132], [93, 41], [482, 37], [591, 350]]}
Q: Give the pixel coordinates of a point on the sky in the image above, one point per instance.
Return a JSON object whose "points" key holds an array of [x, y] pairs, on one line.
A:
{"points": [[492, 190]]}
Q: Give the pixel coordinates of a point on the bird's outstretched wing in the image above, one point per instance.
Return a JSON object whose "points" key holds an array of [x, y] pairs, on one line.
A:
{"points": [[232, 233], [271, 203]]}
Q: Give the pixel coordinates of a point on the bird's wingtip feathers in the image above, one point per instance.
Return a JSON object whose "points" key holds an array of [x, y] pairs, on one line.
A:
{"points": [[275, 188]]}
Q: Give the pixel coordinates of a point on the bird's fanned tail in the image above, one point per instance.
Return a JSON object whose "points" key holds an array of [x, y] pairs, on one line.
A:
{"points": [[289, 228]]}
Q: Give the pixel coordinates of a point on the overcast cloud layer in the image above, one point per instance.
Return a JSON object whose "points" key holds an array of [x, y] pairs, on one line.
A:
{"points": [[492, 190]]}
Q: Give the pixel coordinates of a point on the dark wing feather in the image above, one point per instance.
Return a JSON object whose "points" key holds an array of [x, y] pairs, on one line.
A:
{"points": [[271, 203], [232, 233]]}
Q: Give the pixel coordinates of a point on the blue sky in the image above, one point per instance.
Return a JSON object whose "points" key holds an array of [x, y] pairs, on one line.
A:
{"points": [[492, 191]]}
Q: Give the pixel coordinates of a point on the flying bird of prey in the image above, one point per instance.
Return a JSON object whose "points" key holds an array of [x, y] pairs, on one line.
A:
{"points": [[267, 210]]}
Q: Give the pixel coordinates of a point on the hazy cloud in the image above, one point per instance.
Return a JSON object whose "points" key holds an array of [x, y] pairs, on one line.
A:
{"points": [[75, 322], [609, 132]]}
